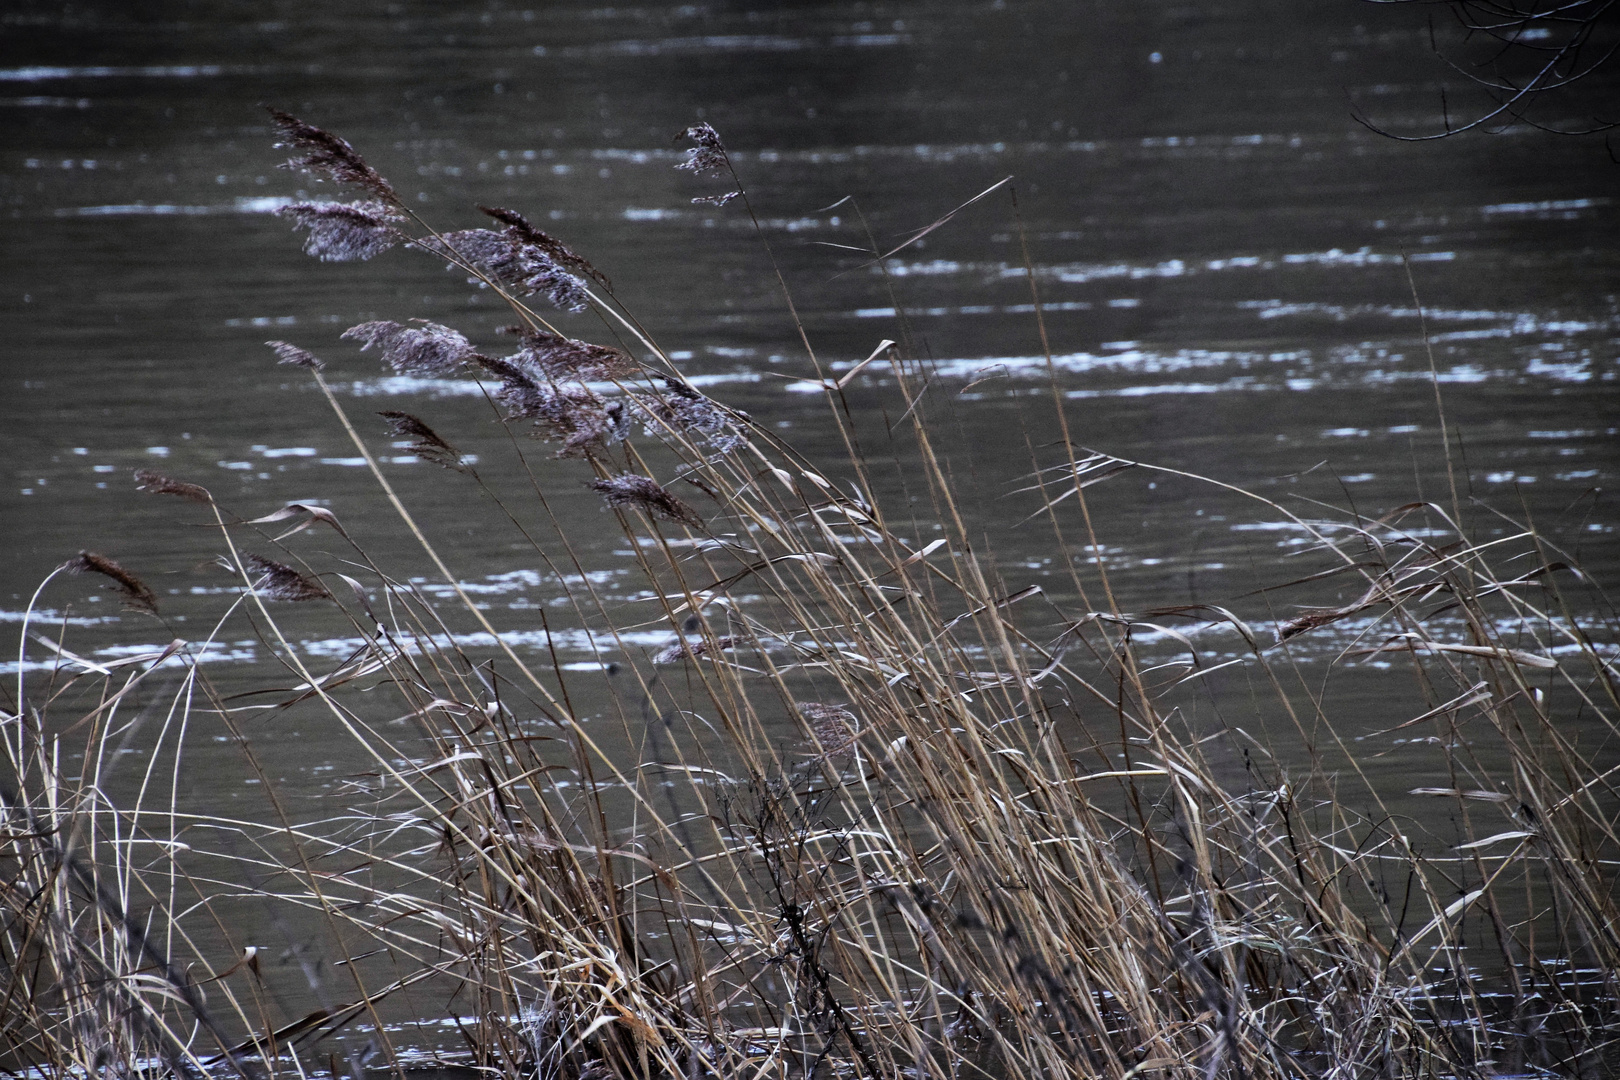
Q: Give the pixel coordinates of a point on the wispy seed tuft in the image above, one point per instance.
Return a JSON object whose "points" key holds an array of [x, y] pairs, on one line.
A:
{"points": [[291, 354], [159, 484], [689, 412], [522, 258], [696, 650], [137, 595], [571, 414], [645, 494], [426, 443], [833, 726], [428, 349], [708, 155], [278, 581], [519, 230], [328, 157], [345, 232], [555, 357]]}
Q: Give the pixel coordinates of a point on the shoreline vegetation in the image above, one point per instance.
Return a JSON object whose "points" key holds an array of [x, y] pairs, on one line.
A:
{"points": [[1005, 844]]}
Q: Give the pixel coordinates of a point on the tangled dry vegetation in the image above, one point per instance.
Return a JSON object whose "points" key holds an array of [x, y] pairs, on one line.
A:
{"points": [[996, 850]]}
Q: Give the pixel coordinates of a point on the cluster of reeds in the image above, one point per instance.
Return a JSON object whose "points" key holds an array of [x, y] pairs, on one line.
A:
{"points": [[1009, 839]]}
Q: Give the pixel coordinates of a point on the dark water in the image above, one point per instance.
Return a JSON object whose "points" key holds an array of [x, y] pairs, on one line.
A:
{"points": [[1218, 242]]}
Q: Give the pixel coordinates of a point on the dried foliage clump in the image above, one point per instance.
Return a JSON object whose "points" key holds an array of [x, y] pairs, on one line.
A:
{"points": [[1034, 837]]}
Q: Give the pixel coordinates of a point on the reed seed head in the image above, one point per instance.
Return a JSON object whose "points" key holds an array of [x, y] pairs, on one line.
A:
{"points": [[647, 495], [426, 443], [708, 155], [327, 157], [833, 726], [694, 650], [520, 257], [278, 581], [686, 410], [571, 414], [428, 349], [559, 358], [159, 484], [292, 354], [345, 232], [137, 595]]}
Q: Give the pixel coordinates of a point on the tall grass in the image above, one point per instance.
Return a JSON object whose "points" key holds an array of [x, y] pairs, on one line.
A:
{"points": [[1011, 837]]}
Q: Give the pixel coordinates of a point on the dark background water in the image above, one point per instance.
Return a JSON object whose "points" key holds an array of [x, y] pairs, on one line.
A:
{"points": [[1219, 242]]}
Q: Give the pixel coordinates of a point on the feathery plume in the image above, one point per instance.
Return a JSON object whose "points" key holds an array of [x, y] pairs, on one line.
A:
{"points": [[292, 354], [158, 484], [519, 230], [684, 409], [709, 155], [716, 200], [277, 581], [574, 415], [561, 358], [345, 232], [429, 349], [426, 443], [645, 494], [694, 651], [137, 595], [833, 726], [520, 257], [328, 157]]}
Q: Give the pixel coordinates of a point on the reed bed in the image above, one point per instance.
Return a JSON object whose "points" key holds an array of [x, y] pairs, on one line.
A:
{"points": [[1015, 835]]}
